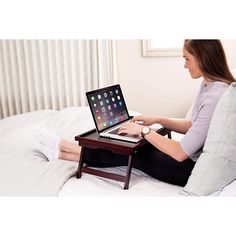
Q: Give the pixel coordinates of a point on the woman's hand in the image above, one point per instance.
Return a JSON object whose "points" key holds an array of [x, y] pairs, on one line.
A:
{"points": [[130, 128], [146, 120]]}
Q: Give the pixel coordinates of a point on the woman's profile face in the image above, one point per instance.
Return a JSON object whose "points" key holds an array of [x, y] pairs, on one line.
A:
{"points": [[191, 64]]}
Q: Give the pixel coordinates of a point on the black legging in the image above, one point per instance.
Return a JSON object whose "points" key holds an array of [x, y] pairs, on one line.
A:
{"points": [[148, 159]]}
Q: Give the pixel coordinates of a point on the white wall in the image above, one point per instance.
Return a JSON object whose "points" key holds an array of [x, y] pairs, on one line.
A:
{"points": [[158, 85]]}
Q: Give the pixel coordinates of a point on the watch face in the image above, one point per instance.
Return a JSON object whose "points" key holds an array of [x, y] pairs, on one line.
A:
{"points": [[145, 130]]}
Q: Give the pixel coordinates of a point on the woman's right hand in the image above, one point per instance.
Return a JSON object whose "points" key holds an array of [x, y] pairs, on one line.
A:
{"points": [[146, 120]]}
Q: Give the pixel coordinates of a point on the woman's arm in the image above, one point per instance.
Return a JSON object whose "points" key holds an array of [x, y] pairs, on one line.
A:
{"points": [[178, 125], [168, 146]]}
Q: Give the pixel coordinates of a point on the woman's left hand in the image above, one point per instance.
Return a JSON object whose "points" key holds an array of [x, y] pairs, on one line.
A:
{"points": [[130, 128]]}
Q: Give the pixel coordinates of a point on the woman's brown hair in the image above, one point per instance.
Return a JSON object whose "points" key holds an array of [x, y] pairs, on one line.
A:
{"points": [[211, 59]]}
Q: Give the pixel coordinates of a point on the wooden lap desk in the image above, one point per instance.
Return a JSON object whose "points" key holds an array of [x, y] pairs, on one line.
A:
{"points": [[92, 140]]}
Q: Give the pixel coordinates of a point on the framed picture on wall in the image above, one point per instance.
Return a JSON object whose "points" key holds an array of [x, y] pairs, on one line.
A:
{"points": [[162, 48]]}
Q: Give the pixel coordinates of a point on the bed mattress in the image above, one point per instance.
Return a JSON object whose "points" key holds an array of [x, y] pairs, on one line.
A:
{"points": [[25, 171]]}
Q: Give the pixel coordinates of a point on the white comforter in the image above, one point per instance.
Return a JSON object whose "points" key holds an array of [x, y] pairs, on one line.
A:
{"points": [[24, 171]]}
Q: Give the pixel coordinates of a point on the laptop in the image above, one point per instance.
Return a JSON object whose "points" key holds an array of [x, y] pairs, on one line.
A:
{"points": [[109, 113]]}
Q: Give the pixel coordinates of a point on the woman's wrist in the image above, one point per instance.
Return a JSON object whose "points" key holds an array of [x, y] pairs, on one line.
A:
{"points": [[145, 131], [159, 120]]}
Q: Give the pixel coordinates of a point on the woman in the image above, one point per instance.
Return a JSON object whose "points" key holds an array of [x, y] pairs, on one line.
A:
{"points": [[165, 159]]}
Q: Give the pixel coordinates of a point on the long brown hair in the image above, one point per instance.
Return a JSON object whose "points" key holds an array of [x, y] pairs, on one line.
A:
{"points": [[211, 59]]}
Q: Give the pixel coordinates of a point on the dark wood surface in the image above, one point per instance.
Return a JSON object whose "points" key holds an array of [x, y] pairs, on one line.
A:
{"points": [[91, 139]]}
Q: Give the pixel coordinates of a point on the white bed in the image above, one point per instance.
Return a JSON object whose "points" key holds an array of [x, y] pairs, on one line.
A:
{"points": [[25, 171]]}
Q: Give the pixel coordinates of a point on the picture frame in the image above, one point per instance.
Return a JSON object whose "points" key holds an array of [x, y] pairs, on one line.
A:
{"points": [[150, 50]]}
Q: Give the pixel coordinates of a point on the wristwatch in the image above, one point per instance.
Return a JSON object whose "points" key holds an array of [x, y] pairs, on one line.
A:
{"points": [[145, 131]]}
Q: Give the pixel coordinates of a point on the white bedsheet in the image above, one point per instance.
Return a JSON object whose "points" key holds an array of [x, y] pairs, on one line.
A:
{"points": [[73, 121], [140, 185]]}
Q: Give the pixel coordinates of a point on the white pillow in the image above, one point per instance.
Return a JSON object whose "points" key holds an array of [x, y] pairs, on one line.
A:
{"points": [[216, 167]]}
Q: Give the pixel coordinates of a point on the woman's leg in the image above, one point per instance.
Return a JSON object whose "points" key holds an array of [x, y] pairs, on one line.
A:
{"points": [[163, 167], [67, 146], [68, 156], [69, 151], [149, 160], [54, 147], [103, 158]]}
